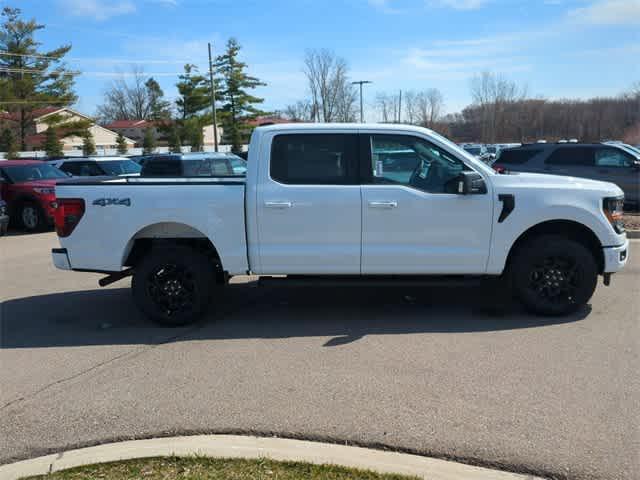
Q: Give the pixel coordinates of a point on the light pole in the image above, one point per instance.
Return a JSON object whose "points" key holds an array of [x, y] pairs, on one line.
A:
{"points": [[361, 82]]}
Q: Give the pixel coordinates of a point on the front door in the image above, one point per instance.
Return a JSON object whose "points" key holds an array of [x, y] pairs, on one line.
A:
{"points": [[410, 224], [309, 205], [617, 166]]}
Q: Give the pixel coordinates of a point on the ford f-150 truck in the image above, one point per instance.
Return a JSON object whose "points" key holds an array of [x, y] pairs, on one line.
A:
{"points": [[344, 203]]}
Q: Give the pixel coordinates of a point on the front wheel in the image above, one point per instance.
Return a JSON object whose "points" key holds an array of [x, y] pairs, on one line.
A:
{"points": [[173, 285], [31, 217], [552, 275]]}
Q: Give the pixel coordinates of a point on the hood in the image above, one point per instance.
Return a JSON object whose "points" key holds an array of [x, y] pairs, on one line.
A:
{"points": [[542, 180], [38, 183]]}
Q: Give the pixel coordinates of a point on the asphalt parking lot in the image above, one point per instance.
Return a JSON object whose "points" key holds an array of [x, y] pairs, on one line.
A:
{"points": [[421, 370]]}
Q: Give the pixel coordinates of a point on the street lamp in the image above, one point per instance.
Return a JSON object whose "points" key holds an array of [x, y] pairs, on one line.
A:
{"points": [[361, 82]]}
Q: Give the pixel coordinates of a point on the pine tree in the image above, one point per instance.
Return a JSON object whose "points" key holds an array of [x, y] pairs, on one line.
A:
{"points": [[88, 145], [25, 92], [8, 144], [195, 93], [52, 146], [238, 105], [174, 140], [122, 144], [192, 133], [148, 142]]}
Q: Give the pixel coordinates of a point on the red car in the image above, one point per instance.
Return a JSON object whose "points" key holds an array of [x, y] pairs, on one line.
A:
{"points": [[28, 188]]}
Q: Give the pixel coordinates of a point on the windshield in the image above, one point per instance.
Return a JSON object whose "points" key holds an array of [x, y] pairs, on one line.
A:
{"points": [[462, 152], [31, 172], [119, 167], [633, 150]]}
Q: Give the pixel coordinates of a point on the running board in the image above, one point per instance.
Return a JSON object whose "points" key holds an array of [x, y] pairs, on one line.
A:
{"points": [[373, 280]]}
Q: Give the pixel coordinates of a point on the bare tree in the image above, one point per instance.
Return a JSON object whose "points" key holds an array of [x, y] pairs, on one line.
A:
{"points": [[387, 105], [301, 111], [430, 107], [492, 93], [332, 95], [136, 98]]}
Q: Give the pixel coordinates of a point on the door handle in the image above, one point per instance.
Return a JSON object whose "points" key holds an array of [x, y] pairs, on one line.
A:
{"points": [[278, 204], [385, 204]]}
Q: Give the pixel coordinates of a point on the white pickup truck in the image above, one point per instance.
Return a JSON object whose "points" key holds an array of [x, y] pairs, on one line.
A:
{"points": [[343, 203]]}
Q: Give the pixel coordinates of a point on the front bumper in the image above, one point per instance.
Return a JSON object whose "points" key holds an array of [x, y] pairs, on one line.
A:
{"points": [[615, 258], [60, 258]]}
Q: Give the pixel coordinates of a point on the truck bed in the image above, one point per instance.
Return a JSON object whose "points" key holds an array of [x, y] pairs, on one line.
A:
{"points": [[120, 210]]}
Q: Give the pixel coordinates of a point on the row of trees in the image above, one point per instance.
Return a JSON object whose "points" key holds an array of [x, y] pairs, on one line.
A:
{"points": [[502, 112], [32, 78], [183, 121]]}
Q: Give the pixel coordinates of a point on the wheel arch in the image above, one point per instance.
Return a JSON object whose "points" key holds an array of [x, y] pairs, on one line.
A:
{"points": [[575, 231], [165, 234]]}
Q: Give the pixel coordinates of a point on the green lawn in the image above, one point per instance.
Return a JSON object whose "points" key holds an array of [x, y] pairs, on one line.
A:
{"points": [[200, 468]]}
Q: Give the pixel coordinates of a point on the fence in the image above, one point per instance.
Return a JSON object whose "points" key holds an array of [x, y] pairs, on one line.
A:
{"points": [[102, 152]]}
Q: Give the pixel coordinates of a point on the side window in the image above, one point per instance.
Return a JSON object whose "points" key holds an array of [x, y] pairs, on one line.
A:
{"points": [[581, 156], [315, 159], [612, 157], [517, 157], [411, 161], [70, 167], [91, 169]]}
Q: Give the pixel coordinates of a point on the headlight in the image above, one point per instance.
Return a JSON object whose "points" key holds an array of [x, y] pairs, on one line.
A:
{"points": [[612, 207], [44, 190]]}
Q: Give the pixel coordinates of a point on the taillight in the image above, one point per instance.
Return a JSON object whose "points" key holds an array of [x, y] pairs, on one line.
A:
{"points": [[68, 215], [499, 169]]}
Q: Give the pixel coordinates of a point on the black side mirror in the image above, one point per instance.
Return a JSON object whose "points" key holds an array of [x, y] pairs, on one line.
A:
{"points": [[466, 183]]}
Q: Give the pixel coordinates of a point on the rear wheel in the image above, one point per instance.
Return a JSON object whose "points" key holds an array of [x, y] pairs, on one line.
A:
{"points": [[173, 286], [552, 275], [31, 217]]}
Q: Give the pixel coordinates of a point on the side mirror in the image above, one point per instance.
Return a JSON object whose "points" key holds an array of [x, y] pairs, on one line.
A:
{"points": [[466, 183], [636, 164]]}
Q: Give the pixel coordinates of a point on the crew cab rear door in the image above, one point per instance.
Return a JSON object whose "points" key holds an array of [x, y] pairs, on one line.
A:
{"points": [[410, 224], [308, 204]]}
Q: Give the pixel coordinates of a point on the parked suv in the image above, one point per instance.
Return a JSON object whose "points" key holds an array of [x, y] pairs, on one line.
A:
{"points": [[97, 166], [28, 188], [198, 164], [608, 162]]}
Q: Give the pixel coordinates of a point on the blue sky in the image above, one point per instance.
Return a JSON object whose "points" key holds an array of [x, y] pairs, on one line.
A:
{"points": [[558, 48]]}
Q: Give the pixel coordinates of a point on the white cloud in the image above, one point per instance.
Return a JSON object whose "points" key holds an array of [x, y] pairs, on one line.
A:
{"points": [[98, 9], [460, 4], [608, 12], [383, 6]]}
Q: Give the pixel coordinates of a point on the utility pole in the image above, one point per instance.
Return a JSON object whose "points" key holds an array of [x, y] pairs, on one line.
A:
{"points": [[213, 102], [400, 107], [361, 82]]}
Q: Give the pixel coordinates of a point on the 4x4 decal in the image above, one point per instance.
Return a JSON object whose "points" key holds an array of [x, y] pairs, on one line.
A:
{"points": [[105, 202]]}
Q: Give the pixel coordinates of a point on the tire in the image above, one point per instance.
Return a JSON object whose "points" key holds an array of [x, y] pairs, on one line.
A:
{"points": [[552, 275], [173, 286], [31, 217]]}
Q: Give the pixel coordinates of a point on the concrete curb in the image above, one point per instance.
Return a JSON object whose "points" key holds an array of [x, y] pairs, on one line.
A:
{"points": [[633, 233], [236, 446]]}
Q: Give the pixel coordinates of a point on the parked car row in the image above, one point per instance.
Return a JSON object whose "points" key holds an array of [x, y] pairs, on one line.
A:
{"points": [[487, 153], [27, 187]]}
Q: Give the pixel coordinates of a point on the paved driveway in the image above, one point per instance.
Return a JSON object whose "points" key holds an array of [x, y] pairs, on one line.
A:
{"points": [[418, 370]]}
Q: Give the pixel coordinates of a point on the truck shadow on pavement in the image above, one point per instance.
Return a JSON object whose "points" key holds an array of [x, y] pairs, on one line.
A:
{"points": [[109, 317]]}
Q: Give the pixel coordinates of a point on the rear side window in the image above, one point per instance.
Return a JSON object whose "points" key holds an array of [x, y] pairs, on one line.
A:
{"points": [[571, 156], [166, 166], [516, 157], [312, 159], [82, 169]]}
